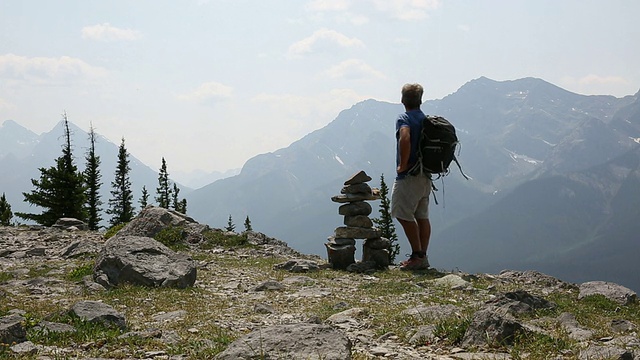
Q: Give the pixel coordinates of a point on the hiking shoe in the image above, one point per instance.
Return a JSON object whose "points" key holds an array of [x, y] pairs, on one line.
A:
{"points": [[424, 262], [414, 263]]}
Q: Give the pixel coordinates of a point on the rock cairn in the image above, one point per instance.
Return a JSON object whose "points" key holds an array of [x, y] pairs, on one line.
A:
{"points": [[342, 246]]}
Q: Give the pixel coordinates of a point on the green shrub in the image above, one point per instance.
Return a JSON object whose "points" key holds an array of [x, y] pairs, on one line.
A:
{"points": [[172, 237], [113, 230], [214, 238], [81, 271], [452, 329]]}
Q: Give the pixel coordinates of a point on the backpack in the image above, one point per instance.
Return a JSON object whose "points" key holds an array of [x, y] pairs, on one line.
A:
{"points": [[436, 148]]}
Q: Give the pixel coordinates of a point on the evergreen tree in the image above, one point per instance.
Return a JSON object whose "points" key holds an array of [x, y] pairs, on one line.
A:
{"points": [[92, 178], [144, 199], [5, 211], [183, 206], [121, 202], [230, 225], [174, 197], [247, 224], [163, 191], [60, 190], [385, 221]]}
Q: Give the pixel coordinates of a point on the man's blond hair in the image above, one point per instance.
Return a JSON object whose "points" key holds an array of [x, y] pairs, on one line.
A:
{"points": [[412, 95]]}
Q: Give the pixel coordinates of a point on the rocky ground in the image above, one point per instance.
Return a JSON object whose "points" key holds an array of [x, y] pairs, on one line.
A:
{"points": [[262, 300]]}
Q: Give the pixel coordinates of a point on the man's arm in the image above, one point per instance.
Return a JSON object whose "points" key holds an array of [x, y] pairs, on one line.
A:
{"points": [[404, 148]]}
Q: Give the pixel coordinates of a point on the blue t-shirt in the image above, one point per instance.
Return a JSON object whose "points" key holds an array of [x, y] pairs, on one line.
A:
{"points": [[412, 119]]}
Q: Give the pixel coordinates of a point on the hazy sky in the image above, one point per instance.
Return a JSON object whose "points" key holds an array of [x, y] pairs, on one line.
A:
{"points": [[210, 84]]}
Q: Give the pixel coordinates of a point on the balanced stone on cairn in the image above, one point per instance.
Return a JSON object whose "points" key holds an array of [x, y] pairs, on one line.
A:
{"points": [[355, 209]]}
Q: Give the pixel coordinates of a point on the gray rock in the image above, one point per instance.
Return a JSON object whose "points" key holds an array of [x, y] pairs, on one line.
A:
{"points": [[621, 325], [47, 327], [356, 232], [576, 332], [98, 312], [363, 267], [298, 265], [151, 220], [11, 329], [68, 223], [380, 257], [293, 341], [355, 208], [143, 261], [341, 241], [358, 221], [361, 188], [423, 336], [520, 302], [261, 308], [433, 312], [340, 256], [490, 328], [451, 281], [269, 285], [79, 248], [358, 178], [347, 198], [378, 243], [605, 352], [170, 316], [24, 348], [611, 291]]}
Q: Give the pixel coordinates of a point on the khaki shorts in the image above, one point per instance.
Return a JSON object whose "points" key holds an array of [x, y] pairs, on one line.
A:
{"points": [[410, 198]]}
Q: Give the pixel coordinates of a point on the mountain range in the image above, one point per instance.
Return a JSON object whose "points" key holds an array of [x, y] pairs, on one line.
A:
{"points": [[553, 179], [554, 182]]}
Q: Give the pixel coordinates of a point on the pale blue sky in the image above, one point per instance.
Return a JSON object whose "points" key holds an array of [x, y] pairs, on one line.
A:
{"points": [[210, 84]]}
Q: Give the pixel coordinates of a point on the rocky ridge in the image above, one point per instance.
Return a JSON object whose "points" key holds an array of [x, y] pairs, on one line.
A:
{"points": [[262, 299]]}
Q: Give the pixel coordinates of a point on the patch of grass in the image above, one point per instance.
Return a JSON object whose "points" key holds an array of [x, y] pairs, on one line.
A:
{"points": [[40, 270], [214, 238], [538, 346], [85, 331], [452, 329], [172, 237], [5, 276], [389, 287], [79, 272], [113, 230]]}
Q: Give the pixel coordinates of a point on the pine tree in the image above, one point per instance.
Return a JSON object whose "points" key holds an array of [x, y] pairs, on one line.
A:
{"points": [[230, 225], [163, 191], [121, 203], [183, 207], [5, 211], [174, 197], [144, 199], [385, 221], [60, 190], [92, 178], [247, 224]]}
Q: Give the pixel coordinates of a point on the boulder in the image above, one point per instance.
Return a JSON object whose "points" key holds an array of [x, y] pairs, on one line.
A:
{"points": [[356, 232], [151, 220], [340, 256], [488, 327], [11, 329], [356, 189], [355, 208], [291, 341], [98, 312], [358, 178], [346, 198], [298, 265], [70, 224], [358, 221], [143, 261], [611, 291]]}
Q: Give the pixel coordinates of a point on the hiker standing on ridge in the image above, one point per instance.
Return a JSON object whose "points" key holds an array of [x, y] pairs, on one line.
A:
{"points": [[410, 194]]}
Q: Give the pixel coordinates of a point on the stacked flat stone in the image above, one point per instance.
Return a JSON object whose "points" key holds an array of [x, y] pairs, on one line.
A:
{"points": [[356, 210]]}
